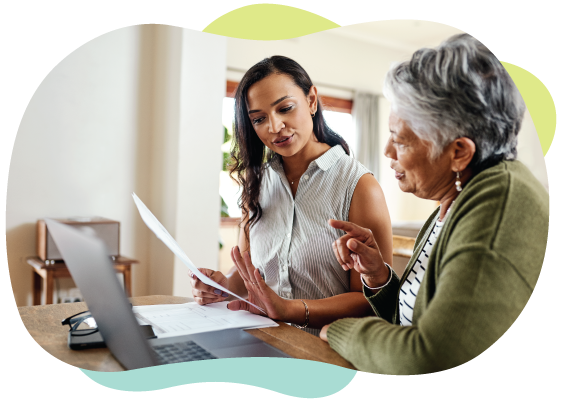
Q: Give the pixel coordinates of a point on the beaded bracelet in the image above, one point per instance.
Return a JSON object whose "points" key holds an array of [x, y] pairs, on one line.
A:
{"points": [[306, 318], [380, 287]]}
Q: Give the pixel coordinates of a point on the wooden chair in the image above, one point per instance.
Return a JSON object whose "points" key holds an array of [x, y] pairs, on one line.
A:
{"points": [[403, 246]]}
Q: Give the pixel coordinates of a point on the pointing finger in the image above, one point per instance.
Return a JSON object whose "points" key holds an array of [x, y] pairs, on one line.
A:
{"points": [[367, 259], [352, 229]]}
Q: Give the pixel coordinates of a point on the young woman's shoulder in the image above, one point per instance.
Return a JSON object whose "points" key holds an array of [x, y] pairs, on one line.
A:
{"points": [[369, 209], [368, 191], [348, 165]]}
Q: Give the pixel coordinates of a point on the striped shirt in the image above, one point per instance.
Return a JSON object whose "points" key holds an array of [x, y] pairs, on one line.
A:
{"points": [[409, 289], [291, 243]]}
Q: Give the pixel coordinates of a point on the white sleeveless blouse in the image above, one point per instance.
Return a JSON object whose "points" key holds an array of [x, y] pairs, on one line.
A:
{"points": [[291, 244]]}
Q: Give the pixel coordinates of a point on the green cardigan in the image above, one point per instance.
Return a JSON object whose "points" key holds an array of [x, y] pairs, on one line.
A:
{"points": [[481, 273]]}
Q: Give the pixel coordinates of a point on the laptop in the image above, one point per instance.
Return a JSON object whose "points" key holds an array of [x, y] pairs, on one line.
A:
{"points": [[89, 263]]}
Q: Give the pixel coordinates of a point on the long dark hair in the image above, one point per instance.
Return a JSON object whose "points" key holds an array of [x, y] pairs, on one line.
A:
{"points": [[249, 155]]}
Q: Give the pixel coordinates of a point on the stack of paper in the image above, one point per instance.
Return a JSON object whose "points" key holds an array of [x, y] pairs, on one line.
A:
{"points": [[188, 318]]}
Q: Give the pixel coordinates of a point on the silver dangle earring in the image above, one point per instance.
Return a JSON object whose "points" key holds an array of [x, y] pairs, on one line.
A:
{"points": [[458, 183]]}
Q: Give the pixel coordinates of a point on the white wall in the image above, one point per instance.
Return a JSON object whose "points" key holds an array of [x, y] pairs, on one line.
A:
{"points": [[163, 140], [77, 151], [199, 153], [132, 110]]}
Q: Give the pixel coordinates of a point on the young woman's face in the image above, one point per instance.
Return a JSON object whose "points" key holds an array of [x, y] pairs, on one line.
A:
{"points": [[281, 114]]}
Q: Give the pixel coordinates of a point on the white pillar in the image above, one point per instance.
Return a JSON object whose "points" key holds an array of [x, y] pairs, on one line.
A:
{"points": [[202, 88]]}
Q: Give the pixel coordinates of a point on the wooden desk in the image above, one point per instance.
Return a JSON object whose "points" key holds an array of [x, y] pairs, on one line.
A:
{"points": [[403, 246], [49, 272], [44, 325]]}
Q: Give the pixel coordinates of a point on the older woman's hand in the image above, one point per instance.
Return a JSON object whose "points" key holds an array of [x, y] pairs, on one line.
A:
{"points": [[323, 333], [358, 249]]}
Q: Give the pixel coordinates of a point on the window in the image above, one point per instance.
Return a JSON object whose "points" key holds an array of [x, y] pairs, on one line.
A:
{"points": [[228, 189], [337, 114]]}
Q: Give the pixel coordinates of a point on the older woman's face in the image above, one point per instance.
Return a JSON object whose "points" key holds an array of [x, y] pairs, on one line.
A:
{"points": [[415, 171]]}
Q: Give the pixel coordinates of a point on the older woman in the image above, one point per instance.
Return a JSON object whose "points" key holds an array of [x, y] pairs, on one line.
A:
{"points": [[454, 123]]}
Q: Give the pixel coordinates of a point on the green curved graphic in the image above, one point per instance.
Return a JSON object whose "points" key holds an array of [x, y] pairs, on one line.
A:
{"points": [[539, 103], [299, 378], [268, 22]]}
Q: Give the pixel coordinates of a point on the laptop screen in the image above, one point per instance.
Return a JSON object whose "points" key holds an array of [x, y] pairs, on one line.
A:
{"points": [[89, 263]]}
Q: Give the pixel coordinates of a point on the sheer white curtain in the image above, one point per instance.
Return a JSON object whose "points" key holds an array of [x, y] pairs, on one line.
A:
{"points": [[365, 118]]}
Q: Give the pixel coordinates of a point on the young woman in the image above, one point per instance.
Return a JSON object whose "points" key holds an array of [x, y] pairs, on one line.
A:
{"points": [[296, 174]]}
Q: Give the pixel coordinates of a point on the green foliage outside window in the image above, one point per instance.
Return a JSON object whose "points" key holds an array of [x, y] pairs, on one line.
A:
{"points": [[226, 158]]}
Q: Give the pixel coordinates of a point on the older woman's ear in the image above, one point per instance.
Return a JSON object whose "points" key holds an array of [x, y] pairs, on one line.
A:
{"points": [[463, 151]]}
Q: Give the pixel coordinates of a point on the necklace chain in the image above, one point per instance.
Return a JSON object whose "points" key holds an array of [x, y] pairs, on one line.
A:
{"points": [[294, 180]]}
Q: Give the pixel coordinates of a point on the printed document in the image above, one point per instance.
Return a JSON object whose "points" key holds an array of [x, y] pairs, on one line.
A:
{"points": [[159, 230], [170, 320]]}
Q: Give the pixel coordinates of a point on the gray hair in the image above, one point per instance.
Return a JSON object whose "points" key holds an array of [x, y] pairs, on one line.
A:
{"points": [[458, 89]]}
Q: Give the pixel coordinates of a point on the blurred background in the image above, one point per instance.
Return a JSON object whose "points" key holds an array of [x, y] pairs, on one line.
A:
{"points": [[148, 109]]}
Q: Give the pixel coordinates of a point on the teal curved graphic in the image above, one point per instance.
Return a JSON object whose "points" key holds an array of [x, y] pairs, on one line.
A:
{"points": [[309, 379]]}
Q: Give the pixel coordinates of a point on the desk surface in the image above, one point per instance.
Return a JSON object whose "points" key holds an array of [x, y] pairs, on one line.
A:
{"points": [[44, 325]]}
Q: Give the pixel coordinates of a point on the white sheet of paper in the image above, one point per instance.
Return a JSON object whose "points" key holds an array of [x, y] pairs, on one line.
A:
{"points": [[160, 231], [170, 320]]}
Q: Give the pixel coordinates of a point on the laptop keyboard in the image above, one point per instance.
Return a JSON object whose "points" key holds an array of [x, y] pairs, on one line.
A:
{"points": [[180, 352]]}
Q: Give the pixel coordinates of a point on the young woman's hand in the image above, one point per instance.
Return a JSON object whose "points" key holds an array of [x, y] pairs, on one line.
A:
{"points": [[259, 292], [358, 249], [205, 294]]}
